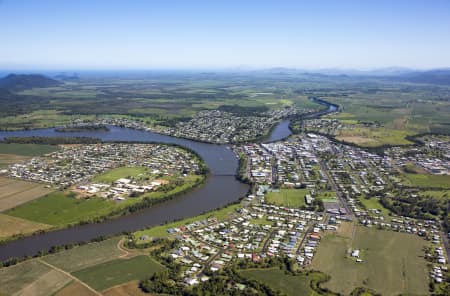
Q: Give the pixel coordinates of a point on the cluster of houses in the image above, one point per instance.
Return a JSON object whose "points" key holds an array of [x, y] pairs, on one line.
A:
{"points": [[433, 156], [74, 164], [220, 127], [287, 164], [212, 126], [253, 232], [120, 189]]}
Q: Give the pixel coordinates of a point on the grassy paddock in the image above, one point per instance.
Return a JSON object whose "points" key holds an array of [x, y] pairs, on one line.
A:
{"points": [[17, 277], [119, 271], [278, 280], [393, 262]]}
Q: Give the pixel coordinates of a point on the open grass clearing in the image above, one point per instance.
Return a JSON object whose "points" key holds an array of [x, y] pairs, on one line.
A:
{"points": [[427, 180], [84, 256], [59, 209], [17, 277], [11, 226], [278, 280], [374, 203], [15, 192], [62, 208], [119, 271], [393, 262], [293, 198]]}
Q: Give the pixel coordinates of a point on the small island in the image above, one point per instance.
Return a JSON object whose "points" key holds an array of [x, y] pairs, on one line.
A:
{"points": [[82, 128]]}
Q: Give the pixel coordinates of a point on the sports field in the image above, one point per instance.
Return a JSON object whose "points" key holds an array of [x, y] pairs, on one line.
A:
{"points": [[123, 172], [15, 192], [287, 197], [393, 262]]}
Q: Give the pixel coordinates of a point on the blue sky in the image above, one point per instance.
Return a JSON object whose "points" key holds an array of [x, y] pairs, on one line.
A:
{"points": [[96, 34]]}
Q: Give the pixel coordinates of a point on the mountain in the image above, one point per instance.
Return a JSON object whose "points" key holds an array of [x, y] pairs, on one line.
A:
{"points": [[18, 82], [67, 77], [438, 76]]}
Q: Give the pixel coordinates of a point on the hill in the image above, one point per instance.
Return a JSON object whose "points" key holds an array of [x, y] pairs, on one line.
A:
{"points": [[18, 82], [438, 76]]}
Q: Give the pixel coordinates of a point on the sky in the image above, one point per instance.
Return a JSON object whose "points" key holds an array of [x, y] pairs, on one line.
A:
{"points": [[171, 34]]}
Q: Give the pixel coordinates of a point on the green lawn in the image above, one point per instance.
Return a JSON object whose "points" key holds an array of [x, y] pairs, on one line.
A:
{"points": [[278, 280], [374, 203], [293, 198], [122, 172], [119, 271], [427, 180], [57, 208], [393, 262], [27, 149], [84, 256]]}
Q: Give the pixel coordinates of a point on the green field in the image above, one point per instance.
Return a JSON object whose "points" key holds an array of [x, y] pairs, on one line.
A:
{"points": [[17, 277], [427, 180], [374, 203], [84, 256], [161, 231], [293, 198], [119, 271], [122, 172], [59, 209], [278, 280], [393, 262], [27, 149]]}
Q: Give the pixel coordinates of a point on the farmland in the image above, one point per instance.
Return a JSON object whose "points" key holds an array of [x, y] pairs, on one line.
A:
{"points": [[27, 149], [119, 271], [85, 256], [13, 226], [16, 192], [392, 264]]}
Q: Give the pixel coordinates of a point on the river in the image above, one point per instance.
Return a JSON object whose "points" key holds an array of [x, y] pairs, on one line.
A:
{"points": [[220, 189]]}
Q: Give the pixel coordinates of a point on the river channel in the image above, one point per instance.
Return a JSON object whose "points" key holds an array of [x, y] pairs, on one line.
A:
{"points": [[220, 189]]}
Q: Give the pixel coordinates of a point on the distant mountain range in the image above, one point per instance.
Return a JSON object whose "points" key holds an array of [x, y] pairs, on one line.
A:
{"points": [[18, 82]]}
